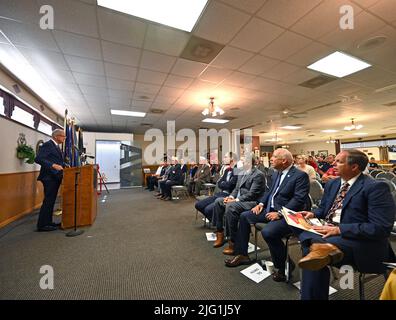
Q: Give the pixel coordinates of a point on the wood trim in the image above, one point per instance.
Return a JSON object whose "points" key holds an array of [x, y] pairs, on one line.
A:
{"points": [[16, 173], [20, 194]]}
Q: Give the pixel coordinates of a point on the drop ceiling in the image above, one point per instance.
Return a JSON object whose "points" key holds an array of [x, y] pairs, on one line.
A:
{"points": [[98, 59]]}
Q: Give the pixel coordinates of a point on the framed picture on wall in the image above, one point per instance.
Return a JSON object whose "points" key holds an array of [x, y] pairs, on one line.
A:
{"points": [[323, 152]]}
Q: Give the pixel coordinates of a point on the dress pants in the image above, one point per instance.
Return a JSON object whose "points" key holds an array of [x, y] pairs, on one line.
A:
{"points": [[51, 187], [206, 205], [232, 212], [315, 284], [166, 188]]}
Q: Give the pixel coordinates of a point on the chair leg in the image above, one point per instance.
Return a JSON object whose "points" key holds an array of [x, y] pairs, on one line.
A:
{"points": [[196, 215], [287, 264], [255, 242], [361, 286]]}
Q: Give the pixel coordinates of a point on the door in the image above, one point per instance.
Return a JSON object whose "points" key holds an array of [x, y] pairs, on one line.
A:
{"points": [[108, 154]]}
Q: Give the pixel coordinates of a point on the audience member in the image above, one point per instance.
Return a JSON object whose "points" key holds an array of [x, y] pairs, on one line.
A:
{"points": [[303, 166]]}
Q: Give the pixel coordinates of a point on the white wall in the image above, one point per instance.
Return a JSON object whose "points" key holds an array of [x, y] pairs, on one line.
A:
{"points": [[91, 137], [304, 148], [9, 133]]}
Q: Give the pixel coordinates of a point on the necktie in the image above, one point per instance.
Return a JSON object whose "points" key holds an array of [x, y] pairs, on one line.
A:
{"points": [[274, 191], [337, 204]]}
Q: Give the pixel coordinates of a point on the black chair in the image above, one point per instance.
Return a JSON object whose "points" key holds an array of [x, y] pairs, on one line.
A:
{"points": [[199, 198], [385, 175], [315, 193], [391, 185], [181, 189], [374, 172]]}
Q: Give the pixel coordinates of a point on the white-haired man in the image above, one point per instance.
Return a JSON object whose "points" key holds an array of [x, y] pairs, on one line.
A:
{"points": [[50, 158]]}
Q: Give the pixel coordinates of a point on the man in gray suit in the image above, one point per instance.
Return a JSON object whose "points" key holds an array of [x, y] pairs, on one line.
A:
{"points": [[249, 188]]}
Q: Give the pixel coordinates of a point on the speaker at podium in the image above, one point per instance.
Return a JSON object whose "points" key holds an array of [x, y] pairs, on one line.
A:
{"points": [[80, 184]]}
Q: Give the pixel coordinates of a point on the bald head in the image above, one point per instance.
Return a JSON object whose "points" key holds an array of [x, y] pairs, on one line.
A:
{"points": [[58, 135], [281, 159]]}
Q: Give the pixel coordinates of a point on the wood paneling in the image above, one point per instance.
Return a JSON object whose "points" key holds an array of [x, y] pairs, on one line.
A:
{"points": [[20, 194]]}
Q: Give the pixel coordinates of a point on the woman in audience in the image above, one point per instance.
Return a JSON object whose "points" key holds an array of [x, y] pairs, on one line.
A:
{"points": [[301, 162]]}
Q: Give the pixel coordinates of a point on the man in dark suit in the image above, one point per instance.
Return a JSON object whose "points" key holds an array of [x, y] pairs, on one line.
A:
{"points": [[290, 188], [360, 213], [249, 188], [174, 178], [50, 158], [226, 184]]}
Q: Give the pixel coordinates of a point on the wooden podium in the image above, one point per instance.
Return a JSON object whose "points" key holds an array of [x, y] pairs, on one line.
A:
{"points": [[86, 195]]}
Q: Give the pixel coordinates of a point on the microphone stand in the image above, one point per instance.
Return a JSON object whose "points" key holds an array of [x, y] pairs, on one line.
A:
{"points": [[75, 232]]}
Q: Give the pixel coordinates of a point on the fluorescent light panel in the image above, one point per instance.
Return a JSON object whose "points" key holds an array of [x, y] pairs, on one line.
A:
{"points": [[215, 120], [339, 64], [128, 113], [179, 14], [329, 131], [291, 127]]}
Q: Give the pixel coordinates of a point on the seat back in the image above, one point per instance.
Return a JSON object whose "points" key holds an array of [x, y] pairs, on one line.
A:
{"points": [[391, 185], [385, 175], [374, 172], [315, 192]]}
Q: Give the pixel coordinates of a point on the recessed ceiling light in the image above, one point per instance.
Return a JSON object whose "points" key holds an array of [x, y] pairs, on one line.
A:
{"points": [[215, 120], [291, 127], [339, 64], [329, 131], [360, 133], [179, 14], [128, 113]]}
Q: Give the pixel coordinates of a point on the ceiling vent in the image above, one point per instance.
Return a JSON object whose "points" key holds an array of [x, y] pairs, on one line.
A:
{"points": [[201, 50], [317, 81], [229, 118], [390, 104], [146, 124], [144, 98], [371, 43], [157, 111]]}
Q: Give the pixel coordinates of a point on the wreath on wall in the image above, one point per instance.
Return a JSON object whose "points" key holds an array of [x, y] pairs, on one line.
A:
{"points": [[24, 151]]}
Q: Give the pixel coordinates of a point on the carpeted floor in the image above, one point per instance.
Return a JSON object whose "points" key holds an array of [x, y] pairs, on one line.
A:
{"points": [[138, 248]]}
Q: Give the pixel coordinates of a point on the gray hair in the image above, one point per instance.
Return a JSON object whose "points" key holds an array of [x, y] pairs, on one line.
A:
{"points": [[57, 132]]}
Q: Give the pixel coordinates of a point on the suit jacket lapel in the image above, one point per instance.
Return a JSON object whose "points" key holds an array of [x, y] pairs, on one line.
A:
{"points": [[287, 177], [333, 194], [246, 176], [353, 190]]}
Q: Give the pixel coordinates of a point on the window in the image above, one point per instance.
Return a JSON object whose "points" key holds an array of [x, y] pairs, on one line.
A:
{"points": [[23, 116], [2, 111], [45, 128]]}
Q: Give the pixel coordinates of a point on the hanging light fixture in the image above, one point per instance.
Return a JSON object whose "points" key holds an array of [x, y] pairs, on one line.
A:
{"points": [[212, 109], [353, 126], [330, 141]]}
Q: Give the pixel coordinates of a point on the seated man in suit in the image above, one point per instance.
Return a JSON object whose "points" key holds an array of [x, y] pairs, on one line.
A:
{"points": [[250, 187], [153, 179], [360, 214], [174, 178], [226, 184], [289, 189], [50, 158], [201, 176]]}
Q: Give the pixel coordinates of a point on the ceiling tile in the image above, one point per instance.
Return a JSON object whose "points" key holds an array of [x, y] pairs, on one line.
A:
{"points": [[84, 65], [250, 6], [365, 3], [152, 77], [125, 94], [215, 74], [310, 54], [78, 45], [44, 58], [300, 76], [74, 16], [30, 36], [156, 61], [286, 12], [120, 71], [97, 92], [364, 25], [178, 82], [256, 35], [323, 19], [119, 102], [119, 84], [82, 78], [386, 9], [147, 88], [120, 28], [220, 30], [165, 40], [258, 65], [188, 68], [280, 71], [284, 46], [238, 79], [120, 54], [24, 11], [170, 92], [231, 58]]}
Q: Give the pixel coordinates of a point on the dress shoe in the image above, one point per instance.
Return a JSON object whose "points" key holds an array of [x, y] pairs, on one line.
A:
{"points": [[237, 261], [47, 228], [219, 240], [279, 276], [166, 199], [321, 255], [230, 249], [58, 225]]}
